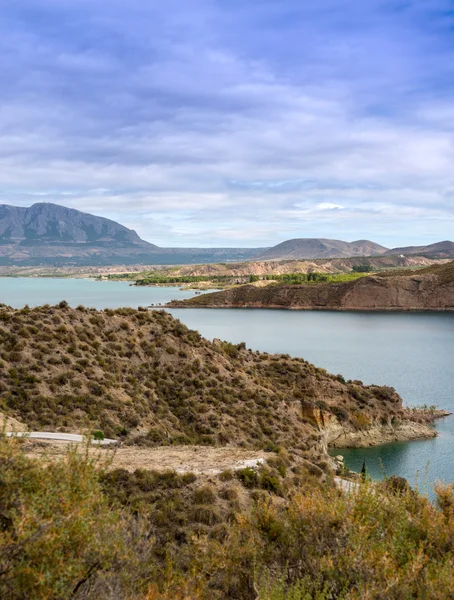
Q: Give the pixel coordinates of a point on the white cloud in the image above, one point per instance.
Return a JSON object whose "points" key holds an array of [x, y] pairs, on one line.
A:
{"points": [[165, 121]]}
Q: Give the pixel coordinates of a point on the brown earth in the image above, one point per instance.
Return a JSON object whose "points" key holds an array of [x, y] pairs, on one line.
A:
{"points": [[144, 378], [8, 423], [200, 460], [429, 289], [231, 269]]}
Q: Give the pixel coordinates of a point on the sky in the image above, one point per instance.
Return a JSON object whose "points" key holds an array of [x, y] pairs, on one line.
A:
{"points": [[233, 123]]}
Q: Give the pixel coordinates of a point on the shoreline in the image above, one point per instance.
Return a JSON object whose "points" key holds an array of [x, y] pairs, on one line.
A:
{"points": [[408, 430], [182, 304]]}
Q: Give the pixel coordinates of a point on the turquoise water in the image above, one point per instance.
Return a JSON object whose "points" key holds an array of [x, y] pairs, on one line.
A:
{"points": [[17, 292], [412, 352]]}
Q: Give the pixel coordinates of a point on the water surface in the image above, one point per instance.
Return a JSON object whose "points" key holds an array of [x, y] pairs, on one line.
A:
{"points": [[19, 291], [412, 352]]}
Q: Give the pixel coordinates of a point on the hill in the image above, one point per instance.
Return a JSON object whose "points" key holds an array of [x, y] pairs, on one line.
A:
{"points": [[144, 377], [44, 223], [439, 250], [233, 272], [49, 234], [430, 288], [46, 232], [304, 248], [74, 525]]}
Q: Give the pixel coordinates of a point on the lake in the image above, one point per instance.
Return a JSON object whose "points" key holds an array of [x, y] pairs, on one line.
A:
{"points": [[412, 352], [33, 291]]}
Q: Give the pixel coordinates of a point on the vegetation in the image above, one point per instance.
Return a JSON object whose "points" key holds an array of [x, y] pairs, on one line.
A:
{"points": [[294, 278], [165, 280], [72, 529], [300, 278], [143, 377], [362, 269], [76, 528]]}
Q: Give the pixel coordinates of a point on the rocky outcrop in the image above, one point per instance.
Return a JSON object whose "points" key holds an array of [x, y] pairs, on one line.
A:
{"points": [[418, 292], [429, 289], [339, 436], [9, 424], [368, 429]]}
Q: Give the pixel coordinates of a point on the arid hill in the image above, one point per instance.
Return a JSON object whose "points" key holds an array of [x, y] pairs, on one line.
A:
{"points": [[143, 377], [76, 525], [304, 248], [438, 250], [230, 269], [431, 288]]}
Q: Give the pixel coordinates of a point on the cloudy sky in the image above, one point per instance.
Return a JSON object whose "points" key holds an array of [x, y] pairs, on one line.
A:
{"points": [[233, 122]]}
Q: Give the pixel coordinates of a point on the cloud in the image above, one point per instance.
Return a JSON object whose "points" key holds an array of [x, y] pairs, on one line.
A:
{"points": [[222, 122]]}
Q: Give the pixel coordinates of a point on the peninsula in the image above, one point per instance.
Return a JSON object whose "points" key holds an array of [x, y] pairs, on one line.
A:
{"points": [[427, 289]]}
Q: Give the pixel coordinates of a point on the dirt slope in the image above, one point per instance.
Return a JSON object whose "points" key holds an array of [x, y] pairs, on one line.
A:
{"points": [[427, 289], [144, 378]]}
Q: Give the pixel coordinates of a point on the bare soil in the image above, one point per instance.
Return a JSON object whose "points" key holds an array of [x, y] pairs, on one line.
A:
{"points": [[201, 460]]}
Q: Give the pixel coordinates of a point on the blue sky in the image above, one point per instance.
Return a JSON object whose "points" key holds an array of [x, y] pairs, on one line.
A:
{"points": [[233, 123]]}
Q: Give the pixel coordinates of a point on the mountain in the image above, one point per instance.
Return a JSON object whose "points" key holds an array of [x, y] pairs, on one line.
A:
{"points": [[50, 224], [438, 250], [302, 248], [49, 234], [428, 289]]}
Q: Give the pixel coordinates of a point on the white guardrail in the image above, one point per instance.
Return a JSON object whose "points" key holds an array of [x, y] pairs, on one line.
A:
{"points": [[62, 437]]}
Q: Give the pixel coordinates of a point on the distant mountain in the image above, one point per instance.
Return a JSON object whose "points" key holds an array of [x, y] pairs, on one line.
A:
{"points": [[52, 235], [439, 250], [304, 248], [50, 224]]}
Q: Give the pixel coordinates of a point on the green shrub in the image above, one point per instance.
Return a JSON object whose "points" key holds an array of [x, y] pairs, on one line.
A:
{"points": [[248, 477], [204, 495], [57, 528]]}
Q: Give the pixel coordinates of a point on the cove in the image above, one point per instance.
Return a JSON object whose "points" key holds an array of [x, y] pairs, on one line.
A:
{"points": [[412, 352]]}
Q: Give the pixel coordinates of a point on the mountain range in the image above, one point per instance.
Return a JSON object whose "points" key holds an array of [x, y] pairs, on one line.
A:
{"points": [[49, 234]]}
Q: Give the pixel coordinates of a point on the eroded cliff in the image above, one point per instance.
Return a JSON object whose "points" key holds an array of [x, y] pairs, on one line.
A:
{"points": [[429, 289]]}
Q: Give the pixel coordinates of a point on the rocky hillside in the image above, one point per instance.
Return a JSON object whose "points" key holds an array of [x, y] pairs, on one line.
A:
{"points": [[281, 267], [49, 234], [304, 248], [46, 223], [143, 377], [431, 288]]}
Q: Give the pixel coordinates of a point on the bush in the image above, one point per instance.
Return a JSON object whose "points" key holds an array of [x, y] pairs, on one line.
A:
{"points": [[248, 477], [340, 413], [57, 528]]}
